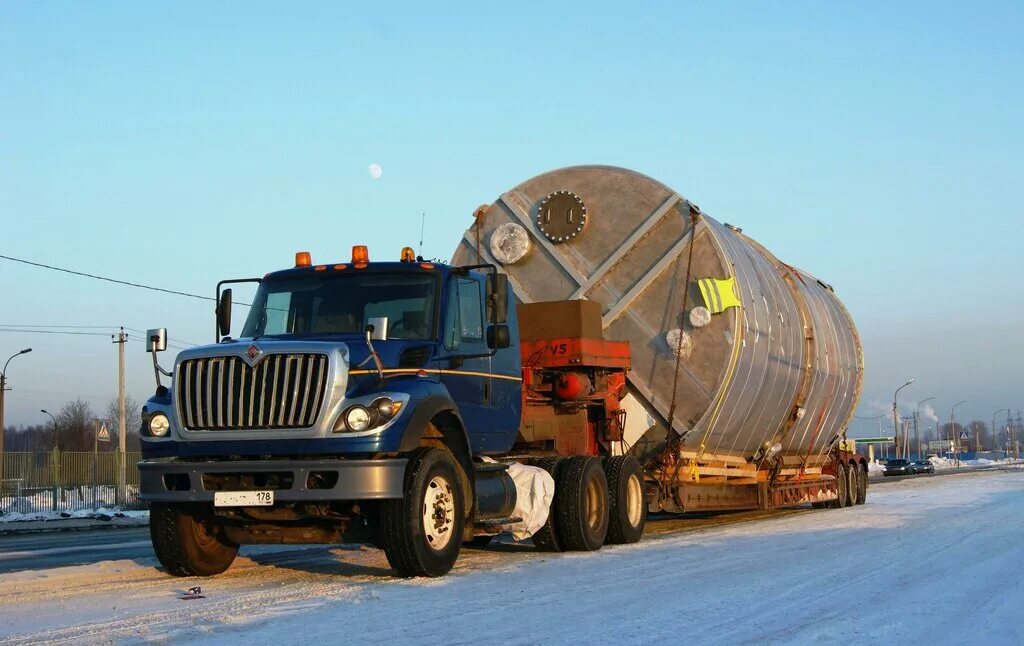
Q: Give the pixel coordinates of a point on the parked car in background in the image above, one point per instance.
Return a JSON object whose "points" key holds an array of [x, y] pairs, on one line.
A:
{"points": [[924, 466], [898, 467]]}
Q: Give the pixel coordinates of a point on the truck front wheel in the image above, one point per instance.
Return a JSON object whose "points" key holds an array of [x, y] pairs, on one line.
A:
{"points": [[422, 532], [187, 542]]}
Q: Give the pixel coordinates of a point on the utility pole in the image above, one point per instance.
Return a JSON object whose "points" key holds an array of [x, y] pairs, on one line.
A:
{"points": [[122, 490], [917, 420], [956, 436], [896, 417]]}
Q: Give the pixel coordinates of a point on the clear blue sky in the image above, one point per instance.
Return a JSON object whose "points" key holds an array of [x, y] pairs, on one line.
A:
{"points": [[877, 145]]}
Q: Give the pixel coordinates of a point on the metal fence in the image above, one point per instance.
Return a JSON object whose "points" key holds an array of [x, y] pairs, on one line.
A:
{"points": [[67, 482]]}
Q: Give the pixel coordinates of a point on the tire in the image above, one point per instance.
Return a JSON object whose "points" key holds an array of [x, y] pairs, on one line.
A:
{"points": [[422, 531], [862, 485], [581, 494], [546, 538], [186, 542], [627, 509], [852, 484], [841, 485]]}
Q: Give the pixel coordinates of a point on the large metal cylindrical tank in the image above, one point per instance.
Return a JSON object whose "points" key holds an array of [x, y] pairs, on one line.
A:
{"points": [[769, 354]]}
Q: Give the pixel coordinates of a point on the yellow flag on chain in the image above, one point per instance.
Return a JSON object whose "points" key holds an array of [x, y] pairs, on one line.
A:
{"points": [[719, 295]]}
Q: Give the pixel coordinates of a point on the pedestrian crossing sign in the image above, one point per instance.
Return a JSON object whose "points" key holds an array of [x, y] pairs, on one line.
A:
{"points": [[103, 435]]}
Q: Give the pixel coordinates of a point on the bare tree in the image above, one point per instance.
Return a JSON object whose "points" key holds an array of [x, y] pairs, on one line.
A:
{"points": [[75, 426], [133, 421]]}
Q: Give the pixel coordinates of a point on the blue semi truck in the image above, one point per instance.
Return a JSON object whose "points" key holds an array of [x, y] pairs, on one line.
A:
{"points": [[382, 403]]}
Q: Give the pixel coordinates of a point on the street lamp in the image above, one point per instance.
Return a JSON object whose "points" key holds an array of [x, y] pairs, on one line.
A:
{"points": [[917, 418], [3, 389], [896, 416], [995, 436], [952, 424], [56, 435]]}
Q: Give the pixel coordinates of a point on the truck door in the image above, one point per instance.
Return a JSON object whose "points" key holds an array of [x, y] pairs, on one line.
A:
{"points": [[466, 373]]}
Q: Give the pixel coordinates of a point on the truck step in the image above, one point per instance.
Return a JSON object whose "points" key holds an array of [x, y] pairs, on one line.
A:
{"points": [[495, 522]]}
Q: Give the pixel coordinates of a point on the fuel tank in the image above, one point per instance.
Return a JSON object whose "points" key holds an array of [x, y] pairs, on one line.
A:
{"points": [[768, 355]]}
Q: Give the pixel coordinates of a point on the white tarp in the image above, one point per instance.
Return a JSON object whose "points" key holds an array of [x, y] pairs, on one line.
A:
{"points": [[535, 489]]}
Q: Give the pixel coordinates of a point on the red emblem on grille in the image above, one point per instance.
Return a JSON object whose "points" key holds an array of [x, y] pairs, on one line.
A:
{"points": [[253, 352]]}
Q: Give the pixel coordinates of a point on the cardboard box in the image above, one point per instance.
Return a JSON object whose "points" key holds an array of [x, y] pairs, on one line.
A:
{"points": [[559, 320]]}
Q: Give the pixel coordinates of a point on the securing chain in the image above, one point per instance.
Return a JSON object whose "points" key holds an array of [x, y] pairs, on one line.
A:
{"points": [[674, 440], [478, 217]]}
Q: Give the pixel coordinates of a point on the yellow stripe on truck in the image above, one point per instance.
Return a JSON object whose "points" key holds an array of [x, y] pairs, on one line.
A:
{"points": [[468, 373]]}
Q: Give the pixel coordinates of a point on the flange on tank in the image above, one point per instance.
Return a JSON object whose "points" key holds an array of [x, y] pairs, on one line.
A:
{"points": [[771, 356]]}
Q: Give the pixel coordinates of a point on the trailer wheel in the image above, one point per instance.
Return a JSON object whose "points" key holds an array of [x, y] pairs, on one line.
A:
{"points": [[862, 484], [627, 511], [581, 492], [546, 538], [852, 484], [422, 531], [841, 486], [186, 542]]}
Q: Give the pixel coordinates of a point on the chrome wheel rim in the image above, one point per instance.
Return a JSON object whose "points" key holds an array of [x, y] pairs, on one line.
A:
{"points": [[634, 501], [594, 500], [438, 513]]}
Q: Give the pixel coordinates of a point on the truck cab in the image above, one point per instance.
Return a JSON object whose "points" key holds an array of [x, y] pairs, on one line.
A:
{"points": [[356, 405]]}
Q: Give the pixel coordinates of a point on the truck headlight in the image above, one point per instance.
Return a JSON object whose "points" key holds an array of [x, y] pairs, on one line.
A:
{"points": [[159, 425], [387, 407], [364, 417], [357, 419]]}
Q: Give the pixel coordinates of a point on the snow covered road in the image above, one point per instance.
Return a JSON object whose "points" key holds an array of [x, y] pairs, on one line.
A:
{"points": [[929, 560]]}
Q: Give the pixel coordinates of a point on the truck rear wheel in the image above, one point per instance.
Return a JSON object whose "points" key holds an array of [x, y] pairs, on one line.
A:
{"points": [[546, 538], [852, 484], [862, 484], [841, 486], [422, 531], [627, 511], [581, 495], [187, 542]]}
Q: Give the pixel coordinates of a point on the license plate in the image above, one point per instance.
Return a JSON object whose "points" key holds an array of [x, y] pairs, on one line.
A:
{"points": [[243, 498]]}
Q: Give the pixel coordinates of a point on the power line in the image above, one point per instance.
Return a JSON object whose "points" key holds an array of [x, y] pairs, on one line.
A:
{"points": [[27, 331], [91, 327], [71, 333], [109, 280]]}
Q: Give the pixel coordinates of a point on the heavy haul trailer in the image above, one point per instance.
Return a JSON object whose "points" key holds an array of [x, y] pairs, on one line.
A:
{"points": [[386, 402]]}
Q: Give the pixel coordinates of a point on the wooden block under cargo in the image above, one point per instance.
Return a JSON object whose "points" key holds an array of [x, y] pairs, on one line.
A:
{"points": [[559, 320]]}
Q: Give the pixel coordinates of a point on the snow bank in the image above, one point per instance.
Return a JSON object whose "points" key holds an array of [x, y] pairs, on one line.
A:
{"points": [[949, 463], [70, 500], [104, 513]]}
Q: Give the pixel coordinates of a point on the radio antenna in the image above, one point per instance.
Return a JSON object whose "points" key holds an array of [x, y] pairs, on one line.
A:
{"points": [[423, 221]]}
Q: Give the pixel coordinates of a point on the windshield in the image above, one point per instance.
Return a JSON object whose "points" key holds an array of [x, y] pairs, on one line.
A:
{"points": [[344, 303]]}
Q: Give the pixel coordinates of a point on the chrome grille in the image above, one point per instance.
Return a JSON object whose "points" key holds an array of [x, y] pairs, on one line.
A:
{"points": [[225, 393]]}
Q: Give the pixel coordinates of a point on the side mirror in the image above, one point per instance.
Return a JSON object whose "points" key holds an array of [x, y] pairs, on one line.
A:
{"points": [[497, 299], [224, 313], [498, 337], [156, 340]]}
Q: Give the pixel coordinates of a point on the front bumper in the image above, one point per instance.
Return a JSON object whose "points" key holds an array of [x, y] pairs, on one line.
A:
{"points": [[355, 479]]}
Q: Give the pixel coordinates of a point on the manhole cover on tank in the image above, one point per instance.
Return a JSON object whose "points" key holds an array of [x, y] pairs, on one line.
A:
{"points": [[561, 216]]}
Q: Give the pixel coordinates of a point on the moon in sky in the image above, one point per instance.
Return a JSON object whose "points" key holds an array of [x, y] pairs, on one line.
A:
{"points": [[375, 171]]}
